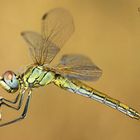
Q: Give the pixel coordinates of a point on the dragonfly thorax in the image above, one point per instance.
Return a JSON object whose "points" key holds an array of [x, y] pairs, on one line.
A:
{"points": [[36, 76]]}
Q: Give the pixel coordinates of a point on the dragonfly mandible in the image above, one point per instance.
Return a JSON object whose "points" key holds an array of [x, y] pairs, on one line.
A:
{"points": [[56, 28]]}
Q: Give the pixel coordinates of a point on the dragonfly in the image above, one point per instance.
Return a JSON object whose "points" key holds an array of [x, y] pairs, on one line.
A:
{"points": [[57, 26]]}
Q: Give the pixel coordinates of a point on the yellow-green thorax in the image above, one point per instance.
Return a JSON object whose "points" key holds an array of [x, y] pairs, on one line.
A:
{"points": [[36, 76]]}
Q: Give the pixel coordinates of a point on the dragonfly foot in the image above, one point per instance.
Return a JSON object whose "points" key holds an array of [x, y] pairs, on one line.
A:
{"points": [[0, 115], [1, 98], [1, 101]]}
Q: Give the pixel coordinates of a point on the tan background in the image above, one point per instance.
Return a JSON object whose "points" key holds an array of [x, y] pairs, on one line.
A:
{"points": [[108, 31]]}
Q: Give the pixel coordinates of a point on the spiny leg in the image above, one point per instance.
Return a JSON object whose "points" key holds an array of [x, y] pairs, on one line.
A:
{"points": [[18, 98], [22, 91], [15, 100], [23, 115]]}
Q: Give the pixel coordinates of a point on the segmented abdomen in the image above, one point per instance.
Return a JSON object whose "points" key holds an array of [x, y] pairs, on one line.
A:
{"points": [[78, 87]]}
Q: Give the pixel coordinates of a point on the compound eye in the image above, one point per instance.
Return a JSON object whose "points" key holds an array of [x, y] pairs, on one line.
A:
{"points": [[10, 79]]}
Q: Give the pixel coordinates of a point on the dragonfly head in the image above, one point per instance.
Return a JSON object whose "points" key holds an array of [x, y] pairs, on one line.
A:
{"points": [[9, 81]]}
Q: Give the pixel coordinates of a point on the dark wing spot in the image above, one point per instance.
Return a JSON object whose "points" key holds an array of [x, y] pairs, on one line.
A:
{"points": [[44, 16]]}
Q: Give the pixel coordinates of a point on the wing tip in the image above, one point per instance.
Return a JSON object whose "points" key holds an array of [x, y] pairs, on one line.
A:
{"points": [[44, 16], [22, 33]]}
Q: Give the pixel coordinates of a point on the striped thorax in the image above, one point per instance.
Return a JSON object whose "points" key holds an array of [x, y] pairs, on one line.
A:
{"points": [[37, 76]]}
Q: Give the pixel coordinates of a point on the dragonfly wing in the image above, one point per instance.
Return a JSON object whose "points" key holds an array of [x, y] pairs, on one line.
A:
{"points": [[78, 67], [57, 27], [36, 43]]}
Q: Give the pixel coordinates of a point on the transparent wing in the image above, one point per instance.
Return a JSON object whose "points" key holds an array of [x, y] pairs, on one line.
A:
{"points": [[57, 27], [36, 43], [78, 67]]}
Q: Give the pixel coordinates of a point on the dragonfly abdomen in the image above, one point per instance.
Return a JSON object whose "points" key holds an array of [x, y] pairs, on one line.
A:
{"points": [[80, 88]]}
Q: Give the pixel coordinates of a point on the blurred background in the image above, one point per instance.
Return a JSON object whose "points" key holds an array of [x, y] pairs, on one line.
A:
{"points": [[108, 32]]}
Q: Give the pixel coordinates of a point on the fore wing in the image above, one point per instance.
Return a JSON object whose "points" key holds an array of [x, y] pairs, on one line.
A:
{"points": [[57, 27], [78, 67]]}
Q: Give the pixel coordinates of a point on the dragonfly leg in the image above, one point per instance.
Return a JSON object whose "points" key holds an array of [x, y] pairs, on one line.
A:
{"points": [[0, 110], [15, 100], [23, 115], [19, 98]]}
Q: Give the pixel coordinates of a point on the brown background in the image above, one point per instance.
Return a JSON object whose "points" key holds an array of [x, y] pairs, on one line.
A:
{"points": [[107, 31]]}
